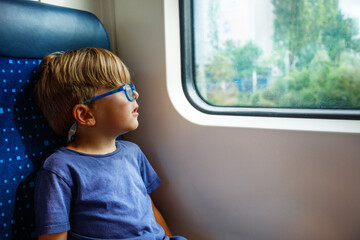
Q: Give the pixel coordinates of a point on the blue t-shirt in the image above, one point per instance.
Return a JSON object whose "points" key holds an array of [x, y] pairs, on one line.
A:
{"points": [[97, 196]]}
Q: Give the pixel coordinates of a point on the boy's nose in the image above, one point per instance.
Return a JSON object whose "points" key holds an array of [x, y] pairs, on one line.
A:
{"points": [[136, 95]]}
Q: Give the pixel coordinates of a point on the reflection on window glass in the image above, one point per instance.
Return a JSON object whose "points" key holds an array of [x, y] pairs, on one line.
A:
{"points": [[278, 53]]}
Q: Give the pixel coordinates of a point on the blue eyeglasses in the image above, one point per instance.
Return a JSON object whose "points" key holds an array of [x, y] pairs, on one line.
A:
{"points": [[127, 88]]}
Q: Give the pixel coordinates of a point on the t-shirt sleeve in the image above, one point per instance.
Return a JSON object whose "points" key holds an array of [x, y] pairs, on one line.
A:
{"points": [[52, 203], [148, 174]]}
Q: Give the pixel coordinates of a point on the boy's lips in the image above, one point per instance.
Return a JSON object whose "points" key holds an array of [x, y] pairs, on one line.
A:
{"points": [[135, 111]]}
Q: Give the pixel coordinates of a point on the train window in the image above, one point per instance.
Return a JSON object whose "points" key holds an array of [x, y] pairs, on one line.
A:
{"points": [[277, 58]]}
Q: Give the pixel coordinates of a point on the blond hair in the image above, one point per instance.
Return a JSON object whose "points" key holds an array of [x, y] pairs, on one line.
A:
{"points": [[69, 78]]}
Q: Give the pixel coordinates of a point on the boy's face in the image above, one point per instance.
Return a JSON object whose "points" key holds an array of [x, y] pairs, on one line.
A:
{"points": [[115, 114]]}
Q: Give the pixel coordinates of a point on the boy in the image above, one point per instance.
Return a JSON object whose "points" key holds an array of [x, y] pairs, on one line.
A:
{"points": [[95, 187]]}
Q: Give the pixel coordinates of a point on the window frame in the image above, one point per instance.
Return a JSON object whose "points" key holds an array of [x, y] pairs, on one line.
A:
{"points": [[193, 96]]}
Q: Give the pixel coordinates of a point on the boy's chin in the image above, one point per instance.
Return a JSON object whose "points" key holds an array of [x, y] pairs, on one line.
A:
{"points": [[136, 125], [131, 128]]}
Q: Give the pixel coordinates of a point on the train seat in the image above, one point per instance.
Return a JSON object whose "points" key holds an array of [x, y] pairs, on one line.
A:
{"points": [[30, 30]]}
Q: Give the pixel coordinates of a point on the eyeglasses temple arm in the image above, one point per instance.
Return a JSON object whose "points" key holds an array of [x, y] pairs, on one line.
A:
{"points": [[102, 95]]}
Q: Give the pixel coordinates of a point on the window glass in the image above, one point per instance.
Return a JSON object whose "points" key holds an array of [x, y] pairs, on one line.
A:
{"points": [[277, 53]]}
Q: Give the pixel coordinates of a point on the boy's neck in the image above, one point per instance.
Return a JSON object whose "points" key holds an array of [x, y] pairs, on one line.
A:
{"points": [[92, 146]]}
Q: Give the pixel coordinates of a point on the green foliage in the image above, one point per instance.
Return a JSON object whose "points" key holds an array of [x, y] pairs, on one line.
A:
{"points": [[321, 85], [221, 68], [303, 26], [233, 61], [315, 49], [244, 58]]}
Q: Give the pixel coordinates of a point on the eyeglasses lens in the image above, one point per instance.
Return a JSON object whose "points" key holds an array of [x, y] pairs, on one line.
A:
{"points": [[129, 92]]}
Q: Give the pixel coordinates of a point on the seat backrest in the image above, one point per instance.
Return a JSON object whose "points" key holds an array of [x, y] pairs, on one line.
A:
{"points": [[29, 31]]}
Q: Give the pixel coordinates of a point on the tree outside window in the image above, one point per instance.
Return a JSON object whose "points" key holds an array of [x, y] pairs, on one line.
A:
{"points": [[309, 57]]}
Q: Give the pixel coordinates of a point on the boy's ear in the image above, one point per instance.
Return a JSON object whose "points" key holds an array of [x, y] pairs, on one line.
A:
{"points": [[83, 115]]}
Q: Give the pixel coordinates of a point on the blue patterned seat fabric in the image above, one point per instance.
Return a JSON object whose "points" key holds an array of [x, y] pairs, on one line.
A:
{"points": [[26, 140], [26, 36]]}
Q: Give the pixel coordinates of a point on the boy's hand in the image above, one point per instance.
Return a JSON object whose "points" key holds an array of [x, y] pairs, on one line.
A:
{"points": [[55, 236], [160, 220]]}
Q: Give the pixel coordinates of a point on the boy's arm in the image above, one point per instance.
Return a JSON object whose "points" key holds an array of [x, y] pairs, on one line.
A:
{"points": [[55, 236], [160, 220]]}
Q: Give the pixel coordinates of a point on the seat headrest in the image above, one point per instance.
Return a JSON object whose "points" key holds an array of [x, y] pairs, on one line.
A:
{"points": [[62, 29]]}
